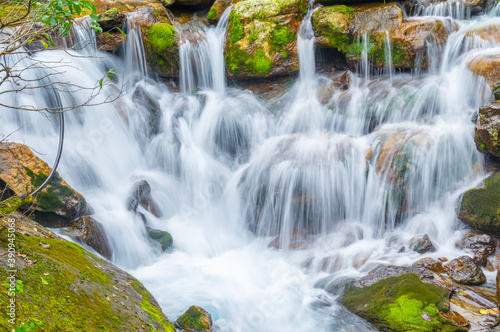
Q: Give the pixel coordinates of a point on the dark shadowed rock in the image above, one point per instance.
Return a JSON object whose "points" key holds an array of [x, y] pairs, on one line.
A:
{"points": [[141, 195], [90, 231], [464, 271], [487, 128], [143, 98]]}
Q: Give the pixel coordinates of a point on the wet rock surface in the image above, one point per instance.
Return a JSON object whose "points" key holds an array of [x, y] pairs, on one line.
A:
{"points": [[486, 132], [479, 207], [91, 232], [482, 245], [422, 244], [21, 172], [430, 264], [464, 271], [486, 65]]}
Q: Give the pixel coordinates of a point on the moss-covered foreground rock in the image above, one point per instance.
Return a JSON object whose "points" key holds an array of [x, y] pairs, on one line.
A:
{"points": [[487, 129], [480, 207], [21, 172], [344, 27], [61, 287], [195, 319], [401, 303], [218, 8], [262, 38]]}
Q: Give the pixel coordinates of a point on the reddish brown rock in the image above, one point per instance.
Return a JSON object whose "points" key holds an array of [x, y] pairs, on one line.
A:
{"points": [[430, 264], [464, 271]]}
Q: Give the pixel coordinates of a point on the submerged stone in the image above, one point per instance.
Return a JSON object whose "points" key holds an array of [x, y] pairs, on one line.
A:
{"points": [[422, 244], [162, 237]]}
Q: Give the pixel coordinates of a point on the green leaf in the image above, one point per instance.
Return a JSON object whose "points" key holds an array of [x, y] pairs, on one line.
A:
{"points": [[49, 39], [44, 281], [44, 44], [123, 33], [94, 17]]}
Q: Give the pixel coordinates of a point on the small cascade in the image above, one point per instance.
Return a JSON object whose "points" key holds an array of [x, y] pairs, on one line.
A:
{"points": [[365, 65], [495, 10], [135, 54], [455, 9]]}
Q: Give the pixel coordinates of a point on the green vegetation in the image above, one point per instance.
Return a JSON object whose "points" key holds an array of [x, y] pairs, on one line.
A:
{"points": [[212, 13], [191, 320], [398, 304], [161, 36], [162, 237], [240, 61], [235, 27], [281, 36], [480, 208], [12, 204], [50, 198], [153, 311]]}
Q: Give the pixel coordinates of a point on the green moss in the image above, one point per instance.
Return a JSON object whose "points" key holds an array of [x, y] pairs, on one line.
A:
{"points": [[239, 61], [191, 320], [281, 36], [235, 27], [163, 238], [481, 207], [397, 304], [398, 54], [12, 204], [212, 13], [483, 146], [153, 311], [284, 54], [50, 198], [161, 36]]}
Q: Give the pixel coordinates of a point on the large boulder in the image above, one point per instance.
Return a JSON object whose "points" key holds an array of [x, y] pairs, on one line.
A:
{"points": [[480, 207], [21, 172], [59, 286], [343, 28], [464, 271], [161, 40], [486, 64], [400, 299], [487, 129], [261, 39]]}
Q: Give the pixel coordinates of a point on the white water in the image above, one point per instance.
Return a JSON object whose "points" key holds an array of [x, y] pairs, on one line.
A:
{"points": [[230, 172]]}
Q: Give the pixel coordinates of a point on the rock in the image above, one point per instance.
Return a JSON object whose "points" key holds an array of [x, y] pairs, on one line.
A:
{"points": [[143, 98], [464, 271], [90, 231], [487, 128], [195, 319], [482, 246], [489, 33], [422, 244], [218, 8], [161, 40], [109, 41], [397, 299], [261, 39], [141, 195], [21, 172], [162, 237], [496, 90], [479, 207], [342, 27], [111, 19], [125, 6], [299, 239], [84, 293], [486, 65], [497, 281], [430, 264]]}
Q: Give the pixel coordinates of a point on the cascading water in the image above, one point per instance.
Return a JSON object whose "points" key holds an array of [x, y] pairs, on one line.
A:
{"points": [[349, 181]]}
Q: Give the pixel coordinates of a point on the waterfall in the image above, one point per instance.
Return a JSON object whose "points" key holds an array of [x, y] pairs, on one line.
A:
{"points": [[346, 180]]}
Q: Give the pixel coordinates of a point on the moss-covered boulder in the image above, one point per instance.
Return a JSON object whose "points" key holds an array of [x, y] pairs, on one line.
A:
{"points": [[21, 172], [400, 302], [160, 38], [162, 237], [480, 207], [343, 28], [486, 65], [496, 90], [195, 319], [59, 286], [261, 40], [487, 129]]}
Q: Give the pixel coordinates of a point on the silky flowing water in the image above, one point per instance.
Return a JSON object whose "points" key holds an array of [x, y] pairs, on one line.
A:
{"points": [[231, 172]]}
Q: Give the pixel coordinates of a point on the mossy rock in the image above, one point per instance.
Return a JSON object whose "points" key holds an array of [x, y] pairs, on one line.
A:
{"points": [[162, 237], [486, 132], [262, 38], [400, 303], [59, 286], [496, 91], [480, 207], [331, 25], [162, 49], [195, 319], [22, 172]]}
